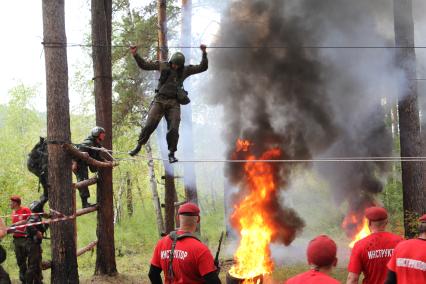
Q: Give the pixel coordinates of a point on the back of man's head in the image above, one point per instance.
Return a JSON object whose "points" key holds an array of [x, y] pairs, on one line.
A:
{"points": [[189, 216], [377, 217], [188, 221], [322, 251]]}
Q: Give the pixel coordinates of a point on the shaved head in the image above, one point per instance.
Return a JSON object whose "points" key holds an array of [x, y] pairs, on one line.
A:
{"points": [[188, 223]]}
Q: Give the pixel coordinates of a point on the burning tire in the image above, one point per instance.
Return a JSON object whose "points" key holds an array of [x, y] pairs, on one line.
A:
{"points": [[235, 280]]}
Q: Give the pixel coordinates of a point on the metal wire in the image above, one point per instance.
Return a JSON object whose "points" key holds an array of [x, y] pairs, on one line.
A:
{"points": [[318, 160], [65, 44]]}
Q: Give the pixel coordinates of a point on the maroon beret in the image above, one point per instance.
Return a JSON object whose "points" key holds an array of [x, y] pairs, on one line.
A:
{"points": [[189, 209], [422, 219], [16, 198], [321, 251], [376, 213]]}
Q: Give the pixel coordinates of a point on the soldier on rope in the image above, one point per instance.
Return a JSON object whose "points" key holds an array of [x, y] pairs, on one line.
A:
{"points": [[170, 94]]}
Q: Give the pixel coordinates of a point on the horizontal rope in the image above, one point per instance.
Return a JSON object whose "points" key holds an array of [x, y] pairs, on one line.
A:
{"points": [[344, 159], [64, 44], [31, 214], [49, 221], [331, 159]]}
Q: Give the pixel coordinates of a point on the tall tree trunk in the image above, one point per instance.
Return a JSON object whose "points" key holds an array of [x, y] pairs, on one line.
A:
{"points": [[414, 196], [129, 197], [155, 197], [170, 189], [189, 178], [101, 53], [64, 266]]}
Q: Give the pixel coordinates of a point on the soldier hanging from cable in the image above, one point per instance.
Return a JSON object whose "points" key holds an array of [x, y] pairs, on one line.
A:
{"points": [[170, 94], [79, 167]]}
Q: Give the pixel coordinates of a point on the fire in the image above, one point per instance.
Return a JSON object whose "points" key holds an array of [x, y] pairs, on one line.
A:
{"points": [[364, 232], [242, 145], [251, 216]]}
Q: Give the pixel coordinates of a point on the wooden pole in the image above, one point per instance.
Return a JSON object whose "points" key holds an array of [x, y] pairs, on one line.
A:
{"points": [[414, 193], [102, 69], [63, 246], [170, 189], [87, 182]]}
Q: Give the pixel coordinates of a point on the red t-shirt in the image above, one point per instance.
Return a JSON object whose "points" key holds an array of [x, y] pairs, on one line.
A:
{"points": [[192, 260], [19, 215], [409, 262], [371, 254], [312, 277]]}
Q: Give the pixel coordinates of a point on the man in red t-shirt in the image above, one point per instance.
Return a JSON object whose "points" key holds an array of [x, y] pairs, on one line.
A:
{"points": [[408, 263], [371, 254], [20, 216], [182, 257], [321, 255]]}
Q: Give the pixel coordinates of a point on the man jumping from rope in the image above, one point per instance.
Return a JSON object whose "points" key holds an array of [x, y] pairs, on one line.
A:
{"points": [[170, 94]]}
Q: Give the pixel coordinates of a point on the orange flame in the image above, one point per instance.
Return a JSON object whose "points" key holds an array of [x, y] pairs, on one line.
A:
{"points": [[356, 226], [251, 216], [242, 145], [364, 232]]}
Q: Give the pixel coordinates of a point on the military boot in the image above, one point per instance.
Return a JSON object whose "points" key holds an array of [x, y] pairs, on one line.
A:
{"points": [[172, 158], [136, 150], [85, 203]]}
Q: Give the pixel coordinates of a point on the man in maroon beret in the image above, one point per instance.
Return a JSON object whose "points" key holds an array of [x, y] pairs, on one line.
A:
{"points": [[408, 263], [20, 215], [321, 254], [371, 254], [181, 255]]}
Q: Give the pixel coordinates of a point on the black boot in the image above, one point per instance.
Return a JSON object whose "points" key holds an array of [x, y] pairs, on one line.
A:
{"points": [[172, 158], [85, 203], [136, 150]]}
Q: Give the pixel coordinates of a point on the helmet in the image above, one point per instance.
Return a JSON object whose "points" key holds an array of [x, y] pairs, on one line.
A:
{"points": [[178, 58], [36, 206], [96, 131]]}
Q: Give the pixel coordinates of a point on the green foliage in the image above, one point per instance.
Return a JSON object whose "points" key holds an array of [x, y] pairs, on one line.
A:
{"points": [[20, 128], [132, 88]]}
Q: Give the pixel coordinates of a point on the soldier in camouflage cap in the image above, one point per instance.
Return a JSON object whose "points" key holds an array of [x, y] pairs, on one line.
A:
{"points": [[169, 96], [80, 167]]}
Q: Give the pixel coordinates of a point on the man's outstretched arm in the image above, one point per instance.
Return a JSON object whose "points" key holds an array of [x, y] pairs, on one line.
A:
{"points": [[142, 63], [203, 66]]}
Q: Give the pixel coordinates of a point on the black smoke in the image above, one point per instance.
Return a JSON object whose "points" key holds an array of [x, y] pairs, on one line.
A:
{"points": [[277, 88]]}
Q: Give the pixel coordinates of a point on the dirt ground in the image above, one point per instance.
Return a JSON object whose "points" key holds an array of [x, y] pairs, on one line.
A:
{"points": [[120, 278]]}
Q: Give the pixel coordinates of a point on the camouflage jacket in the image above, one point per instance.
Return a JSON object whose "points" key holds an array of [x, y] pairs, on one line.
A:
{"points": [[85, 146], [170, 80]]}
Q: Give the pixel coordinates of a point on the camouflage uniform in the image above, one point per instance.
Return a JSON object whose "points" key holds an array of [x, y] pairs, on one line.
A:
{"points": [[82, 167], [165, 102], [34, 275], [20, 248]]}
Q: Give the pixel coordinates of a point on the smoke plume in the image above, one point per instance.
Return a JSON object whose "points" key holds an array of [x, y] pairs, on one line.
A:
{"points": [[277, 88]]}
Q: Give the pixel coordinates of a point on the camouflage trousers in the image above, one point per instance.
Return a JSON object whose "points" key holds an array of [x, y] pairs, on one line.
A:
{"points": [[170, 109], [83, 174], [34, 273], [20, 248]]}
